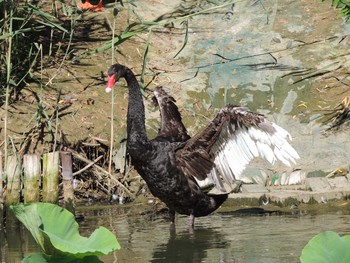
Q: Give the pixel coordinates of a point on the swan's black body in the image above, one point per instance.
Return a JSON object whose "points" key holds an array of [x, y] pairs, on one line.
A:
{"points": [[170, 163], [156, 162]]}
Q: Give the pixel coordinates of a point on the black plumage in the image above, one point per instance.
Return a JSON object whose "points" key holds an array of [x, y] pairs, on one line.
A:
{"points": [[173, 164]]}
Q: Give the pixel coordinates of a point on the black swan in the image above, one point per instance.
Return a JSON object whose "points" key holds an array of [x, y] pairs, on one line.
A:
{"points": [[88, 6], [99, 7], [173, 163]]}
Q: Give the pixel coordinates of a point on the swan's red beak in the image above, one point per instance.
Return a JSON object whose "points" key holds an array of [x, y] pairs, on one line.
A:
{"points": [[110, 83]]}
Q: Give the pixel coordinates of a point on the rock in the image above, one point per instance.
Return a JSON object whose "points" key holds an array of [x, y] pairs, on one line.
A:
{"points": [[339, 182], [253, 188], [318, 184]]}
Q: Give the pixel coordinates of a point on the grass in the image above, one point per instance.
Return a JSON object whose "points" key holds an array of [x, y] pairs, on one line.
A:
{"points": [[22, 27], [344, 5]]}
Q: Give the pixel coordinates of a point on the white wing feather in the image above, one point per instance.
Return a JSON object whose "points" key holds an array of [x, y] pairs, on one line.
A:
{"points": [[237, 147]]}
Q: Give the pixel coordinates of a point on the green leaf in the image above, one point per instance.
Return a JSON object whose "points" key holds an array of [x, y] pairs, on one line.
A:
{"points": [[327, 247], [42, 258], [31, 219], [56, 231], [35, 258], [49, 19]]}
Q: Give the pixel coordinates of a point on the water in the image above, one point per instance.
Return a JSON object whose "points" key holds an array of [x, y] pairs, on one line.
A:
{"points": [[220, 237], [224, 238]]}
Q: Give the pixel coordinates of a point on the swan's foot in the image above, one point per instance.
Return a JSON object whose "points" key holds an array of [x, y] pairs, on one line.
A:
{"points": [[172, 216], [87, 5], [236, 187]]}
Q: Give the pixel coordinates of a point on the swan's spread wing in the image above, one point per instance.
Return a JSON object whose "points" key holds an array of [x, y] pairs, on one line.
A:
{"points": [[234, 138], [171, 128]]}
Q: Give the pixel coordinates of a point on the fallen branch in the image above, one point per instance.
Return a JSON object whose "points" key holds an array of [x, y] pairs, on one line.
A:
{"points": [[88, 166], [83, 159]]}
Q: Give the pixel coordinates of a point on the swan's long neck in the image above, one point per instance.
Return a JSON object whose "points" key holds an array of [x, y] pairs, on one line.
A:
{"points": [[136, 110]]}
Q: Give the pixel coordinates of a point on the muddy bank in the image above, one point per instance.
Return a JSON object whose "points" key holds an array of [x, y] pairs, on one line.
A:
{"points": [[285, 64]]}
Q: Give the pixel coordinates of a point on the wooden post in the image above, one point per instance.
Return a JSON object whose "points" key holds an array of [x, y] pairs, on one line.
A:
{"points": [[32, 169], [13, 176], [1, 192], [50, 177], [67, 176]]}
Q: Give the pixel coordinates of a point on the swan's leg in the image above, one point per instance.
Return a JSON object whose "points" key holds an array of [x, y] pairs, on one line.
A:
{"points": [[172, 216], [191, 223], [236, 187]]}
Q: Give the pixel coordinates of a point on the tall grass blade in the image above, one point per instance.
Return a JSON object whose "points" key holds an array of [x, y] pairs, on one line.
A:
{"points": [[8, 77], [185, 40], [145, 60], [112, 98]]}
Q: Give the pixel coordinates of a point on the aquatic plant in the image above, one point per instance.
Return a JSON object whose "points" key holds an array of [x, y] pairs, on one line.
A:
{"points": [[344, 5], [327, 247], [56, 231]]}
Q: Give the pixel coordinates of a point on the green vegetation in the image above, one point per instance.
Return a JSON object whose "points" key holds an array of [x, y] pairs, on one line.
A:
{"points": [[344, 5], [56, 231], [26, 34], [327, 247]]}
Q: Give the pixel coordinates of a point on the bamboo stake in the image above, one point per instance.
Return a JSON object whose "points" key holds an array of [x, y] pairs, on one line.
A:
{"points": [[50, 177], [32, 168], [13, 175], [67, 176]]}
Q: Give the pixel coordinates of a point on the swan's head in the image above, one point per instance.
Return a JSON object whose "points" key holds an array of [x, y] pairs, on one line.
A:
{"points": [[115, 72]]}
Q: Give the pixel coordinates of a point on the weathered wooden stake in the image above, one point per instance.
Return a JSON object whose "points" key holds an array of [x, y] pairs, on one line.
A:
{"points": [[67, 176], [50, 177], [13, 176], [32, 169], [1, 175], [1, 192]]}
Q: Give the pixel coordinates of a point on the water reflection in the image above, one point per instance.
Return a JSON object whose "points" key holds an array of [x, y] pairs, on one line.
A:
{"points": [[15, 241], [223, 237], [187, 247], [220, 237]]}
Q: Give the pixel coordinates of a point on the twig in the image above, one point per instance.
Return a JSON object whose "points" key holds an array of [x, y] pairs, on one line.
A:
{"points": [[81, 158], [88, 166]]}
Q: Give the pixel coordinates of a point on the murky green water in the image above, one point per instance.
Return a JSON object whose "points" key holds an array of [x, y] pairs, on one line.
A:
{"points": [[220, 237]]}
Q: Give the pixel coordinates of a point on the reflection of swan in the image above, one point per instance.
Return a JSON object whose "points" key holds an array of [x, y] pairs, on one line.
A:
{"points": [[187, 247]]}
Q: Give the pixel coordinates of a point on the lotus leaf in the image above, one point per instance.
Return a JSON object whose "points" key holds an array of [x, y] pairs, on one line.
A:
{"points": [[327, 247], [56, 231], [43, 258]]}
